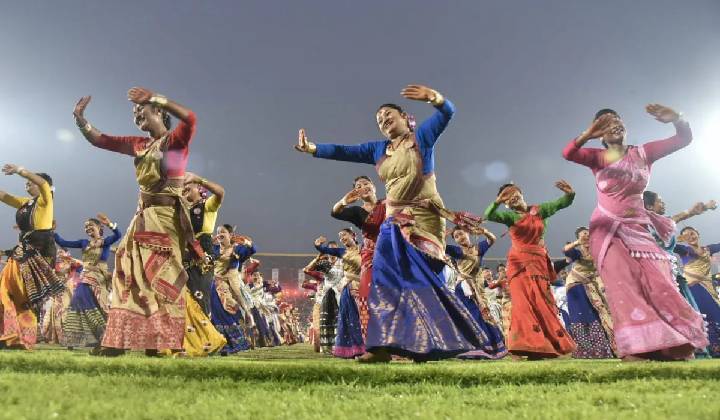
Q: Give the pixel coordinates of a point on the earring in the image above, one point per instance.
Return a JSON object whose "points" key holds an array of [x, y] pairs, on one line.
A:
{"points": [[411, 122]]}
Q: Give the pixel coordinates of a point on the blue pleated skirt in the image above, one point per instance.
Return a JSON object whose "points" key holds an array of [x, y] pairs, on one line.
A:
{"points": [[348, 341], [494, 345], [585, 327], [710, 309], [227, 324], [412, 312]]}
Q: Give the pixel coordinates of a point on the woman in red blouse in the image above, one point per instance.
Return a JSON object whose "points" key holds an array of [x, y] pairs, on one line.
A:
{"points": [[147, 310]]}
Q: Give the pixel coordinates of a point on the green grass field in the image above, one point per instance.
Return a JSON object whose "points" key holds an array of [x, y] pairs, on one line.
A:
{"points": [[294, 383]]}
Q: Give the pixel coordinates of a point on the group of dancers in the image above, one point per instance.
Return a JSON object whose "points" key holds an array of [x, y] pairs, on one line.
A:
{"points": [[178, 287], [399, 290], [406, 292]]}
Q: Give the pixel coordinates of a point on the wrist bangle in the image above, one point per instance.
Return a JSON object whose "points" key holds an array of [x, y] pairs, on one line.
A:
{"points": [[158, 100], [203, 181], [86, 128], [437, 99], [312, 148], [20, 169]]}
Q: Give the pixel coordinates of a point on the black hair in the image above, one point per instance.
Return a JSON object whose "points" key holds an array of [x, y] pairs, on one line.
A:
{"points": [[688, 228], [649, 198], [46, 177], [397, 108], [167, 122], [501, 265], [606, 111], [332, 243], [365, 177], [97, 222], [580, 229], [350, 231], [508, 186], [457, 228], [229, 228]]}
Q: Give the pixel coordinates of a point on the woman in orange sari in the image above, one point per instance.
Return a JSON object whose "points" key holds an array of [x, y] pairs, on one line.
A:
{"points": [[535, 330]]}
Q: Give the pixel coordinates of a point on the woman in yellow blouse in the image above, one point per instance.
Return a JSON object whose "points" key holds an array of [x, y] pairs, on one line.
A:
{"points": [[28, 279]]}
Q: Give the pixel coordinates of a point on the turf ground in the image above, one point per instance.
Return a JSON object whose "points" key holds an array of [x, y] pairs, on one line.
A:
{"points": [[294, 383]]}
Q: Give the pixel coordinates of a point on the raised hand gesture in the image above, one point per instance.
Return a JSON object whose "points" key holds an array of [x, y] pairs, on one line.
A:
{"points": [[10, 169], [564, 186], [304, 145], [662, 113], [419, 93], [352, 196], [190, 178], [139, 95], [320, 240], [598, 127], [102, 217], [505, 194], [79, 111]]}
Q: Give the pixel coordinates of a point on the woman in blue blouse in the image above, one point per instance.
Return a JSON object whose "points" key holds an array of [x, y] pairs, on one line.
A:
{"points": [[86, 318], [412, 312], [229, 310]]}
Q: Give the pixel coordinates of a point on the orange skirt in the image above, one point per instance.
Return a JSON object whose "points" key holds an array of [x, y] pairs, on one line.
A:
{"points": [[535, 329], [18, 324]]}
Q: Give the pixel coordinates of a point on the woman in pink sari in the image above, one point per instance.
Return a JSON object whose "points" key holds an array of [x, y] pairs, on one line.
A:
{"points": [[651, 319]]}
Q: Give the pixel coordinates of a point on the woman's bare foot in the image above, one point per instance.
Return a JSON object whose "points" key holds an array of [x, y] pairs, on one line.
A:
{"points": [[106, 352], [378, 356], [632, 358]]}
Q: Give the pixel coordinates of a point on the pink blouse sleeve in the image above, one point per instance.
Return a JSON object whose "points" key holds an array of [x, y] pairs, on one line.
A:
{"points": [[120, 144], [658, 149], [592, 158], [182, 135]]}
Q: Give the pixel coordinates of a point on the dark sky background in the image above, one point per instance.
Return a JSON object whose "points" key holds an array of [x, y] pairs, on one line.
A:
{"points": [[526, 76]]}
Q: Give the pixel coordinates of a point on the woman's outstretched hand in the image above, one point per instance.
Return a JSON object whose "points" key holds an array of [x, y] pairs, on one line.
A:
{"points": [[304, 145], [139, 95], [564, 186], [662, 113], [79, 111], [421, 93]]}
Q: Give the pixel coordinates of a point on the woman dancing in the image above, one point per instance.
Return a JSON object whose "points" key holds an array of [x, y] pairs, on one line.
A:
{"points": [[229, 309], [589, 320], [653, 202], [412, 312], [87, 315], [651, 320], [53, 318], [535, 329], [329, 271], [28, 278], [368, 217], [325, 278], [470, 290], [696, 270], [203, 215], [349, 341], [148, 307]]}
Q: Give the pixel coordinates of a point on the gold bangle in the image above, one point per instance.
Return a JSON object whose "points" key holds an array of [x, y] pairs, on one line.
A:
{"points": [[203, 181], [158, 100], [86, 128], [437, 99], [312, 148]]}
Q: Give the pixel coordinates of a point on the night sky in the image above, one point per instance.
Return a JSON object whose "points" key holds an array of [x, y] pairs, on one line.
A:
{"points": [[526, 77]]}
